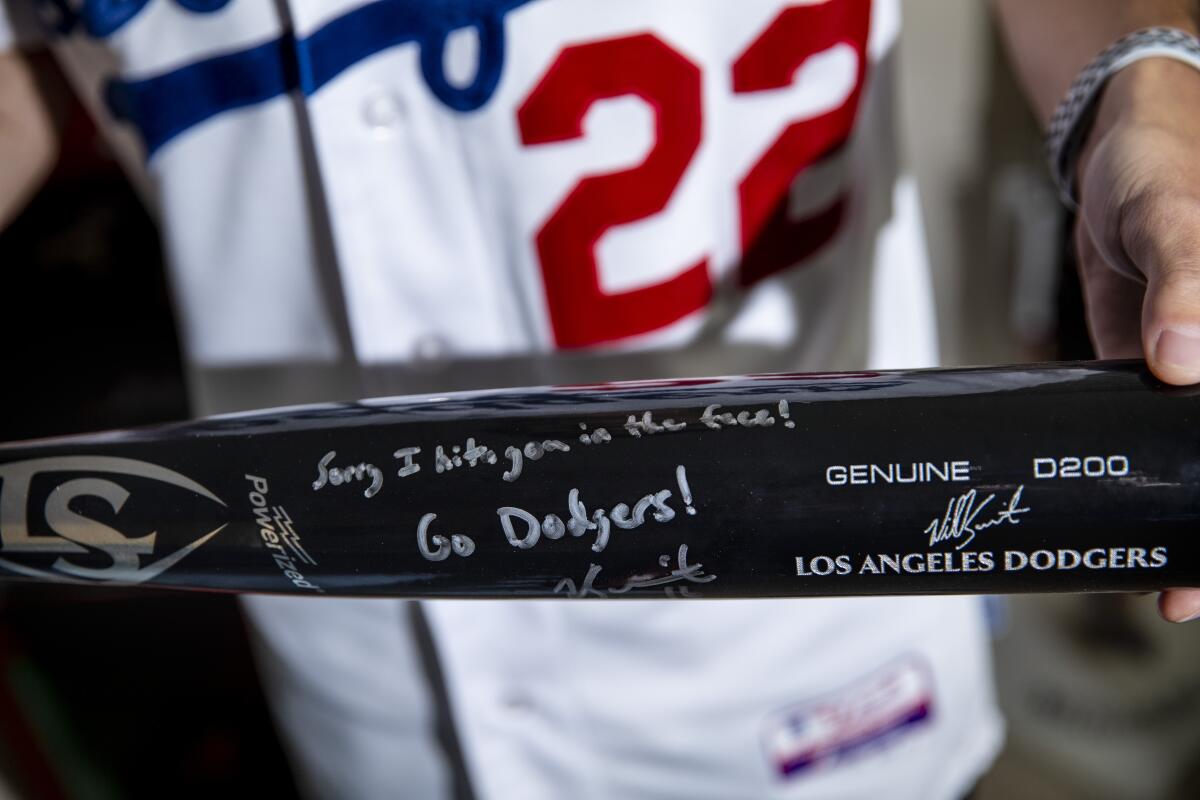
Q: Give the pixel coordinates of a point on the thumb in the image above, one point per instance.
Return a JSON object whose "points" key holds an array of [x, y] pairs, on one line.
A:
{"points": [[1162, 238], [1139, 182]]}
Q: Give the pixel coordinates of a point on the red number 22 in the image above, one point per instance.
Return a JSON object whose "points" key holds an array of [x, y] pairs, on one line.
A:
{"points": [[581, 313]]}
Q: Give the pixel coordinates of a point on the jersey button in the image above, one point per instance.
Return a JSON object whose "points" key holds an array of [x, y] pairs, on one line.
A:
{"points": [[383, 112], [518, 699], [430, 350]]}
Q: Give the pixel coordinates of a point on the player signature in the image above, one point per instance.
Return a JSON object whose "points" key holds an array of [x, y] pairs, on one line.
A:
{"points": [[683, 573], [962, 512]]}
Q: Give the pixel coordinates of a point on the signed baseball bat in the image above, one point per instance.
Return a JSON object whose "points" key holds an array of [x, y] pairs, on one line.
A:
{"points": [[1068, 477]]}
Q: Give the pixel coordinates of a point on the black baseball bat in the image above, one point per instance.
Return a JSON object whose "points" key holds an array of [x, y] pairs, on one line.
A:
{"points": [[1067, 477]]}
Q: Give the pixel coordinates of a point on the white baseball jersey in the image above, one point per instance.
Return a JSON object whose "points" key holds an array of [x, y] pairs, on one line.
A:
{"points": [[366, 197]]}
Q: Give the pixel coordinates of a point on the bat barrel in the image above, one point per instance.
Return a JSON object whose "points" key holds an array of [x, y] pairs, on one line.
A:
{"points": [[1069, 477]]}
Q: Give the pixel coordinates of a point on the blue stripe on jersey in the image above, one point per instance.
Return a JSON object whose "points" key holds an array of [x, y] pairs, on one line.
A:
{"points": [[103, 18], [164, 106]]}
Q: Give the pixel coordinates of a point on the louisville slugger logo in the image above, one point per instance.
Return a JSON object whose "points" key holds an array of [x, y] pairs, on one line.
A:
{"points": [[49, 528]]}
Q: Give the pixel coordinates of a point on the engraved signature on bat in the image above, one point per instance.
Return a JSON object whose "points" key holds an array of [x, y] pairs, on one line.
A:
{"points": [[960, 524]]}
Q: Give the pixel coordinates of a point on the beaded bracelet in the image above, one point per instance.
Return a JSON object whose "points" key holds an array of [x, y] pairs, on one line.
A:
{"points": [[1073, 117]]}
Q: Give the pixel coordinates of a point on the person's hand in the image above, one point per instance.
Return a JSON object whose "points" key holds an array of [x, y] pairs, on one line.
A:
{"points": [[1138, 232], [32, 102]]}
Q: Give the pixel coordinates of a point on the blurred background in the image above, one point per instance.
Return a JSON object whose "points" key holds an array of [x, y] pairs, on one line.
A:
{"points": [[110, 694], [106, 693]]}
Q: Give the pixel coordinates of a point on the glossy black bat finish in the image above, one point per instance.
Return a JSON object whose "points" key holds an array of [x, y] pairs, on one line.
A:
{"points": [[1068, 477]]}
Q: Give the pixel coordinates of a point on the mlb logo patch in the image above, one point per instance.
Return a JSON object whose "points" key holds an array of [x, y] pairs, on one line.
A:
{"points": [[874, 710]]}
